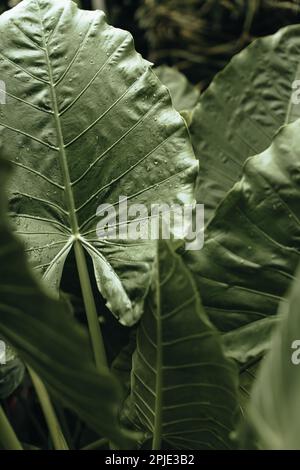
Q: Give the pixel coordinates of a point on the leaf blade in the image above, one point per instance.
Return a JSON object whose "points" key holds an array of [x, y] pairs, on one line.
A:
{"points": [[74, 156], [190, 414]]}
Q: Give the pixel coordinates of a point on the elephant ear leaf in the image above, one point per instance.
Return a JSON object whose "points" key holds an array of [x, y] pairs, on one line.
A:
{"points": [[46, 337], [273, 412], [106, 129], [252, 245], [242, 110], [184, 390]]}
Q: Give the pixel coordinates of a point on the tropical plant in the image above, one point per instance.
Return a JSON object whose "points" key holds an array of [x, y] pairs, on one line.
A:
{"points": [[136, 343]]}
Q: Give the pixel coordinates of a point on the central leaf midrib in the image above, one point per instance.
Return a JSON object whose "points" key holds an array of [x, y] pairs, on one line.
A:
{"points": [[61, 144]]}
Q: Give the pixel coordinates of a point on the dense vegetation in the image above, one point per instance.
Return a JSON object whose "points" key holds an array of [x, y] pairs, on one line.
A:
{"points": [[144, 344]]}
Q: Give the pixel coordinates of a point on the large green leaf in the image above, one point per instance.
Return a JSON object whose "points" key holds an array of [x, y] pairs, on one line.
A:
{"points": [[241, 111], [252, 244], [46, 337], [274, 411], [86, 121], [180, 375]]}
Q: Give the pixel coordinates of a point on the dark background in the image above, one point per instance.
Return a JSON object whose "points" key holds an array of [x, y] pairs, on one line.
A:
{"points": [[197, 36]]}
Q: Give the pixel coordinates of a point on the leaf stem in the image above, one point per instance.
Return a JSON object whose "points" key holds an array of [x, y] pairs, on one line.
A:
{"points": [[8, 436], [157, 434], [88, 297], [57, 436], [90, 307]]}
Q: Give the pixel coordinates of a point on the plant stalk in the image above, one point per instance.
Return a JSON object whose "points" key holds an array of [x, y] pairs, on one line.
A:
{"points": [[56, 433], [90, 308], [8, 436], [88, 297]]}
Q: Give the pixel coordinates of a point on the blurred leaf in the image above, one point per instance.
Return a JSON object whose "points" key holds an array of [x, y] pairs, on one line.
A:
{"points": [[248, 376], [274, 414]]}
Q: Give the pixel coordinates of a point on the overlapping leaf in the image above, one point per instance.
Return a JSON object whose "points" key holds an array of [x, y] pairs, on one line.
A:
{"points": [[180, 376], [241, 111], [252, 244], [238, 116], [86, 121]]}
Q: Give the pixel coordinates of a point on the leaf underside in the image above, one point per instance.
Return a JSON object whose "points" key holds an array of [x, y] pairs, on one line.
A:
{"points": [[86, 121]]}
